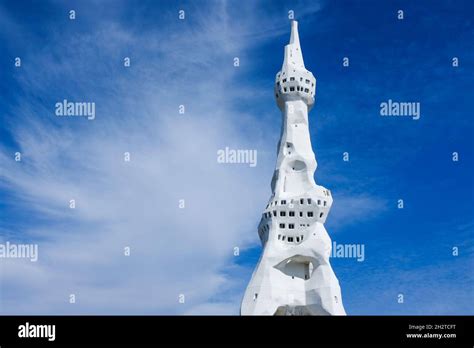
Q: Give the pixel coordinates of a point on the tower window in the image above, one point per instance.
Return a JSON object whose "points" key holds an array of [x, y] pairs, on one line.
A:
{"points": [[291, 226], [301, 214], [292, 78], [283, 238], [325, 203], [307, 81], [279, 236], [310, 214], [284, 80], [297, 239], [309, 200], [283, 213], [274, 213], [301, 79], [306, 90], [282, 225], [319, 202], [292, 89], [290, 239], [291, 213], [284, 89], [283, 202], [301, 201], [321, 215]]}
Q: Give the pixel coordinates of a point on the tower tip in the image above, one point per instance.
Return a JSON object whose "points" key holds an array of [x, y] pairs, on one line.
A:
{"points": [[294, 38]]}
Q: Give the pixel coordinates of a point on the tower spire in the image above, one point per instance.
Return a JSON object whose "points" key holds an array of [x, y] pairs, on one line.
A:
{"points": [[294, 38], [293, 55]]}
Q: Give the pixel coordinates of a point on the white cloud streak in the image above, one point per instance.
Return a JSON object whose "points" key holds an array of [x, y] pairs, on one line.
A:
{"points": [[173, 251]]}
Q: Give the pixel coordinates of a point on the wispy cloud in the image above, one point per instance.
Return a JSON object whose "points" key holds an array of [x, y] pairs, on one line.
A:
{"points": [[118, 204]]}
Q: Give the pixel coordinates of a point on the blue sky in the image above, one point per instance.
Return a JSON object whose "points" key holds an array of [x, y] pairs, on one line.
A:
{"points": [[190, 62]]}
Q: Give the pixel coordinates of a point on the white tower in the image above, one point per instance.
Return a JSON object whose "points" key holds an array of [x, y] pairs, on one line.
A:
{"points": [[293, 275]]}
